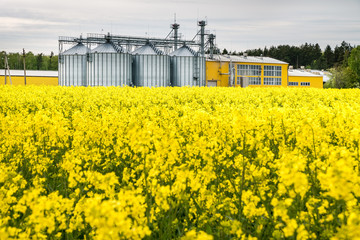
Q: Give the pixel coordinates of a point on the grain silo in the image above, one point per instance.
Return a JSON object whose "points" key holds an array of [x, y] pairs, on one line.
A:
{"points": [[187, 68], [151, 68], [109, 65], [72, 66]]}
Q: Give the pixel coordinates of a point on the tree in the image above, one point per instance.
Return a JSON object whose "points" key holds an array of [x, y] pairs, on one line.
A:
{"points": [[14, 60], [30, 61], [54, 63], [225, 51], [39, 61], [354, 62], [50, 58], [2, 59], [319, 63], [343, 77], [329, 57], [341, 53], [266, 52]]}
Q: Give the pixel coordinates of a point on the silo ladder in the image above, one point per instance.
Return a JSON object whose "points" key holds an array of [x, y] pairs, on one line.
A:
{"points": [[196, 68]]}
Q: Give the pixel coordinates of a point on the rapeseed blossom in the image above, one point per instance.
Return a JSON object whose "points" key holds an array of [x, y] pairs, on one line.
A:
{"points": [[179, 163]]}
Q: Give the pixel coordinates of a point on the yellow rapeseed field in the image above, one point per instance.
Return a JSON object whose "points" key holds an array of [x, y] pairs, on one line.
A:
{"points": [[179, 163]]}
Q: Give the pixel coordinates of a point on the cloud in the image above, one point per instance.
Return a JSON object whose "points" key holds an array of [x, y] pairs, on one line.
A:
{"points": [[13, 24], [238, 24]]}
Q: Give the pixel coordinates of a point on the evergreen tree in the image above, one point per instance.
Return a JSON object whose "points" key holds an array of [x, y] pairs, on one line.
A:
{"points": [[39, 61], [266, 52], [329, 57]]}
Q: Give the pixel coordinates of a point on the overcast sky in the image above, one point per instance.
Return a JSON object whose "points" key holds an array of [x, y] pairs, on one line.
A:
{"points": [[239, 25]]}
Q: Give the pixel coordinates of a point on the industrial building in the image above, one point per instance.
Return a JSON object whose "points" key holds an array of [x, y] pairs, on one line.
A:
{"points": [[245, 71], [305, 78], [151, 68], [187, 68], [33, 77], [115, 60]]}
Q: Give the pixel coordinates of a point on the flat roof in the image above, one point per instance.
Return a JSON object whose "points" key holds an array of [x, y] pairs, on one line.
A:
{"points": [[30, 73], [301, 73], [244, 59]]}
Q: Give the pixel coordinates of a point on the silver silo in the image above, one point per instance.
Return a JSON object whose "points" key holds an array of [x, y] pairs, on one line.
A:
{"points": [[109, 65], [151, 68], [72, 66], [187, 68]]}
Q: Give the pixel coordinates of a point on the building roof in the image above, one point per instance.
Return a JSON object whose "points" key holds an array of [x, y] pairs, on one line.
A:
{"points": [[302, 73], [184, 51], [245, 59], [30, 73], [147, 49], [79, 48], [107, 47], [326, 75]]}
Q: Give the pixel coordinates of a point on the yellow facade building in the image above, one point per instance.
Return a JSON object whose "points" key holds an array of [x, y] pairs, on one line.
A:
{"points": [[33, 77], [304, 78], [246, 71]]}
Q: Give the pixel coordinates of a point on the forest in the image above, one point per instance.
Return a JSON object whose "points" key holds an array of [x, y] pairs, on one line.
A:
{"points": [[33, 62], [308, 55]]}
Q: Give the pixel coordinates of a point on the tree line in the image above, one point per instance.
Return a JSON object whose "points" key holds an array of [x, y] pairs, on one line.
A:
{"points": [[308, 55], [33, 62]]}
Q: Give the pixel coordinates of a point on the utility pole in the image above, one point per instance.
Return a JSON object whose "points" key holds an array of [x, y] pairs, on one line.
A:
{"points": [[7, 68], [24, 66]]}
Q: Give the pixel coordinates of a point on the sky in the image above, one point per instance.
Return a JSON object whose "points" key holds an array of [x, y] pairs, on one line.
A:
{"points": [[238, 25]]}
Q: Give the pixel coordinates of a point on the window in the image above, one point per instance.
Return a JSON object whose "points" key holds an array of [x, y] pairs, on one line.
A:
{"points": [[272, 81], [254, 81], [272, 71], [245, 81], [293, 84], [248, 70], [305, 84]]}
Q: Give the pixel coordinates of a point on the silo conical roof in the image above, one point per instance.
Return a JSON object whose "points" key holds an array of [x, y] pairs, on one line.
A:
{"points": [[184, 51], [79, 48], [107, 47], [147, 49]]}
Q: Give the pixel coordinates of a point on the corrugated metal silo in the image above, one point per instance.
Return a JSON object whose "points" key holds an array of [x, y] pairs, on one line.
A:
{"points": [[187, 68], [109, 65], [150, 67], [72, 66]]}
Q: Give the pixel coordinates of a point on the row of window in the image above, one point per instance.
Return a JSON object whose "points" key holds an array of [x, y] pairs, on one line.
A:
{"points": [[272, 71], [255, 70], [297, 84], [272, 81], [248, 70], [244, 81]]}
